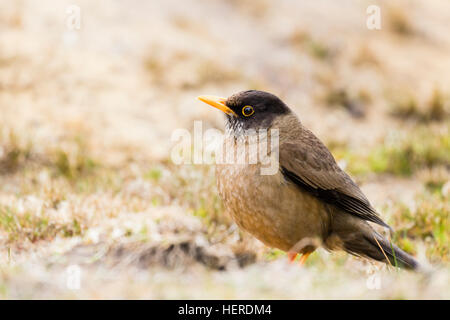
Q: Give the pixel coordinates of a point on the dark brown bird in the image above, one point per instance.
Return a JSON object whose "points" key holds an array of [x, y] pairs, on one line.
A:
{"points": [[309, 201]]}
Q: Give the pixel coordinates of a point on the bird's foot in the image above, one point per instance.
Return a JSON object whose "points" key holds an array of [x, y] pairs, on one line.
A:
{"points": [[304, 257], [292, 256]]}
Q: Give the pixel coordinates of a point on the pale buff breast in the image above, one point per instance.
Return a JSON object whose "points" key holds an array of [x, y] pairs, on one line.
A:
{"points": [[273, 210]]}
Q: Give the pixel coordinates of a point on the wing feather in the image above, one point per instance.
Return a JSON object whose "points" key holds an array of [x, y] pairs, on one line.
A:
{"points": [[308, 163]]}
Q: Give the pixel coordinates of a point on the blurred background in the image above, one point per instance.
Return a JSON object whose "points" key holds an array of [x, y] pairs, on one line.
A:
{"points": [[91, 205]]}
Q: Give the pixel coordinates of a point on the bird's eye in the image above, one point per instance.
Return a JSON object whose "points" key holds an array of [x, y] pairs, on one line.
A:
{"points": [[248, 111]]}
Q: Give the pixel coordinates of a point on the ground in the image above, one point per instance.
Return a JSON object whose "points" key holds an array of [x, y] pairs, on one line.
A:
{"points": [[91, 205]]}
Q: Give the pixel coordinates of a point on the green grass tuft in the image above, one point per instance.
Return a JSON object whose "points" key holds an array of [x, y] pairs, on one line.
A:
{"points": [[31, 227], [401, 155], [428, 221]]}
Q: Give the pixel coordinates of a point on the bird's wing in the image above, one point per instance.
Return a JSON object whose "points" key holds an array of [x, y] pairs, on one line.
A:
{"points": [[308, 163]]}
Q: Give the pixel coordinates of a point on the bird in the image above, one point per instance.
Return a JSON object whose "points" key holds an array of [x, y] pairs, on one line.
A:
{"points": [[309, 201]]}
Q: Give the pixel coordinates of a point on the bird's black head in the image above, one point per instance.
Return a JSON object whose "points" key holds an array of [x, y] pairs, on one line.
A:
{"points": [[250, 109]]}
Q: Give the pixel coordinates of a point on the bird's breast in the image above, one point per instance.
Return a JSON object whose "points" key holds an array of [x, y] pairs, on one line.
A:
{"points": [[268, 206]]}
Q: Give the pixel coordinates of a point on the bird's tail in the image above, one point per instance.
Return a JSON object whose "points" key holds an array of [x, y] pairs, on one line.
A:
{"points": [[375, 246], [360, 239]]}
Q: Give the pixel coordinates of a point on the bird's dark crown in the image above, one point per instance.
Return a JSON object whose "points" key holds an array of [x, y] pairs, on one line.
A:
{"points": [[265, 107]]}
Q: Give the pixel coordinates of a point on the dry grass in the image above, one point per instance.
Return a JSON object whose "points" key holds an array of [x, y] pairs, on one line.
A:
{"points": [[341, 98], [435, 108], [399, 20], [425, 222]]}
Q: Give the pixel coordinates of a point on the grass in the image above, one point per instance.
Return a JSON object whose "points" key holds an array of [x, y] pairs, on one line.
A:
{"points": [[72, 164], [365, 56], [399, 22], [425, 222], [436, 108], [153, 174], [254, 9], [22, 227], [163, 69], [303, 41], [194, 188], [13, 153], [402, 154], [73, 167], [340, 97]]}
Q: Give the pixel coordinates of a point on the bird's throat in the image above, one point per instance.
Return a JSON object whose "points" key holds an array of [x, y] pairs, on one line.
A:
{"points": [[234, 127]]}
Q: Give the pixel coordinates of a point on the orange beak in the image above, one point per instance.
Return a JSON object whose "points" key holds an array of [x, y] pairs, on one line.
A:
{"points": [[217, 102]]}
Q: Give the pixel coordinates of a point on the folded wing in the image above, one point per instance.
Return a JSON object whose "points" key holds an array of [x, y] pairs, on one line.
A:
{"points": [[307, 163]]}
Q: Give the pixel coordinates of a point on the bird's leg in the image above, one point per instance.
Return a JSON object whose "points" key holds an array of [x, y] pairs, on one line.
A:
{"points": [[304, 257], [292, 256]]}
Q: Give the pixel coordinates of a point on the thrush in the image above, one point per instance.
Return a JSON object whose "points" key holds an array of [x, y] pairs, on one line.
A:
{"points": [[309, 201]]}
